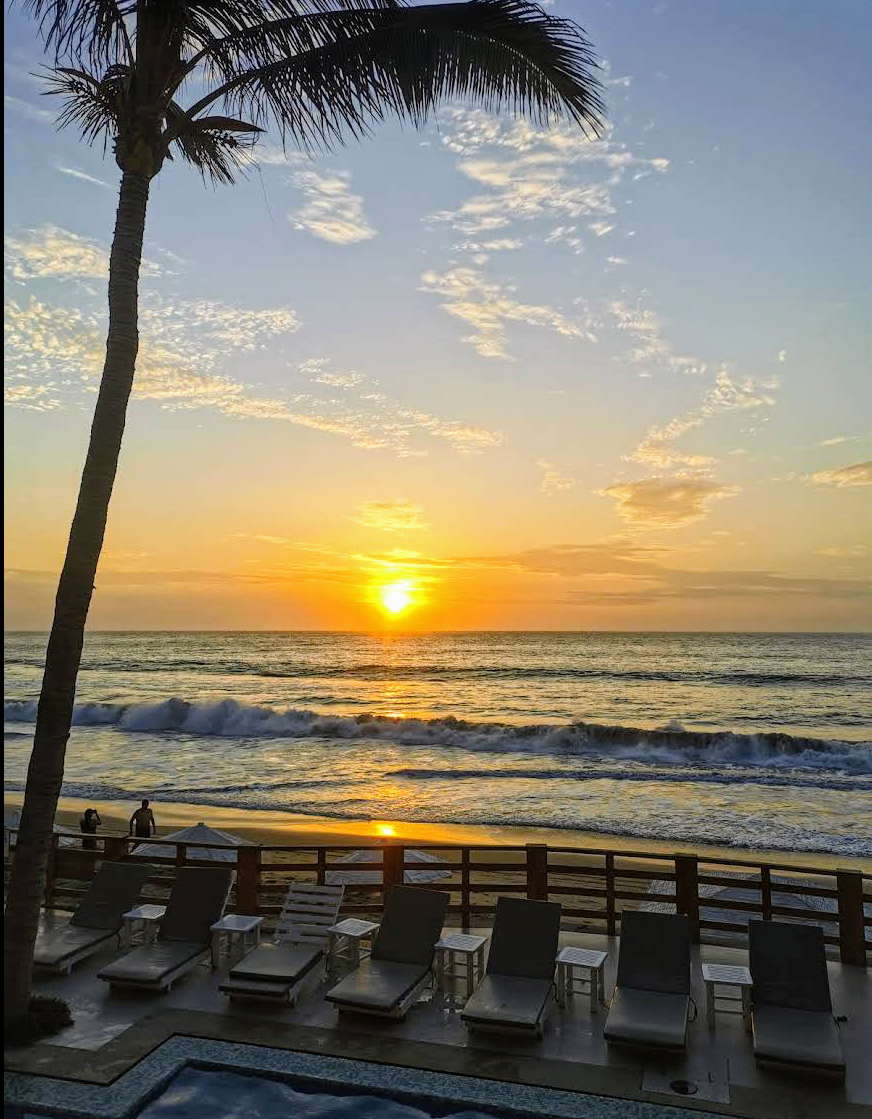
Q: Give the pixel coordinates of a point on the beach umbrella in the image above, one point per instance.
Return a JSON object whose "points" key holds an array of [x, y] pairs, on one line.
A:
{"points": [[12, 822], [432, 873], [199, 833]]}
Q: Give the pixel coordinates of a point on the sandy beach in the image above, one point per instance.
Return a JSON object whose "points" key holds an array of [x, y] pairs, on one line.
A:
{"points": [[286, 829]]}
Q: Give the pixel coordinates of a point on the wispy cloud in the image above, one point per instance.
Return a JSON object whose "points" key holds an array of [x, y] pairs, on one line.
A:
{"points": [[858, 474], [618, 572], [75, 173], [488, 307], [726, 395], [666, 502], [321, 374], [835, 440], [263, 538], [626, 573], [34, 398], [332, 211], [848, 551], [530, 173], [553, 481], [186, 351], [391, 516], [27, 109], [54, 253], [651, 349]]}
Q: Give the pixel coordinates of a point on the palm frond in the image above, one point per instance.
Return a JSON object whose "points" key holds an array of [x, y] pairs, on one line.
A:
{"points": [[91, 31], [321, 70], [211, 145], [94, 106], [226, 22], [504, 54]]}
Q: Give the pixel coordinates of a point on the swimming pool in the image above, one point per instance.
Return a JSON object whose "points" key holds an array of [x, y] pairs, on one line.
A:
{"points": [[204, 1094], [190, 1078]]}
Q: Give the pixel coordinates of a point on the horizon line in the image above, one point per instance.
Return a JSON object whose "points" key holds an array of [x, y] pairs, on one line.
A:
{"points": [[372, 632]]}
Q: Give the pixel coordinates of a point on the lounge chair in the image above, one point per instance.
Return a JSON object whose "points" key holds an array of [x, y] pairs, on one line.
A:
{"points": [[114, 889], [197, 901], [792, 1014], [652, 994], [390, 980], [519, 977], [279, 971]]}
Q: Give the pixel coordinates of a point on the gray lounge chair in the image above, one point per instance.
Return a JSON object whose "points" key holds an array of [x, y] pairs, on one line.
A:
{"points": [[390, 980], [652, 995], [278, 972], [793, 1014], [519, 977], [197, 901], [114, 889]]}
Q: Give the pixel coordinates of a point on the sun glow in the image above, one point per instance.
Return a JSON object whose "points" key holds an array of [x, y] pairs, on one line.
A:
{"points": [[385, 829], [395, 597]]}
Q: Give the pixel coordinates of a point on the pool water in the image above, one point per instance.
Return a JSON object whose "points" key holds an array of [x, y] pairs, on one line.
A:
{"points": [[206, 1094], [192, 1078], [197, 1093]]}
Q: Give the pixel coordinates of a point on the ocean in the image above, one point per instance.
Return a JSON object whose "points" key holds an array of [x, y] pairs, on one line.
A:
{"points": [[736, 739]]}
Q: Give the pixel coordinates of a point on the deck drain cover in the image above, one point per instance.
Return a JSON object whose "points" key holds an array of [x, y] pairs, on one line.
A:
{"points": [[685, 1078]]}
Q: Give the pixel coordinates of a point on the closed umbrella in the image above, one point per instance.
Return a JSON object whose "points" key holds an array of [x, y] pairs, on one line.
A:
{"points": [[12, 822], [199, 833], [430, 873]]}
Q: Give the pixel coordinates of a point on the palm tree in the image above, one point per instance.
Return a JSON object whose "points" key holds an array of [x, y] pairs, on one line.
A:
{"points": [[319, 70]]}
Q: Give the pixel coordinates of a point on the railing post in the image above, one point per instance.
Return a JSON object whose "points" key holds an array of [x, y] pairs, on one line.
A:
{"points": [[464, 888], [852, 936], [687, 891], [114, 848], [537, 871], [248, 881], [321, 871], [766, 893], [610, 895], [393, 874]]}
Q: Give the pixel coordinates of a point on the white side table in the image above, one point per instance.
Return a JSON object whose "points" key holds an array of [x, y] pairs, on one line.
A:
{"points": [[727, 975], [236, 933], [570, 961], [344, 941], [144, 920], [459, 956]]}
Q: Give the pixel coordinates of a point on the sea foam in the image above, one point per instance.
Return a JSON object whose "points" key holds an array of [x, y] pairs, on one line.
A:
{"points": [[672, 744]]}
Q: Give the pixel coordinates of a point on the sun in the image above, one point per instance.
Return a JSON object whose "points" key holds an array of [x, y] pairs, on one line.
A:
{"points": [[395, 597]]}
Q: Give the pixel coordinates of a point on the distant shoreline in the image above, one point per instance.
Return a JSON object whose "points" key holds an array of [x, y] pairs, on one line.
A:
{"points": [[277, 828]]}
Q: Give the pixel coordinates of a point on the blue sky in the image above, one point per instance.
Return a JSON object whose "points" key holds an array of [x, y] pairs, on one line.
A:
{"points": [[455, 358]]}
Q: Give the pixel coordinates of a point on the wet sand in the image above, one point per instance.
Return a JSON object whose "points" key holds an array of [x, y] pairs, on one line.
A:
{"points": [[286, 829]]}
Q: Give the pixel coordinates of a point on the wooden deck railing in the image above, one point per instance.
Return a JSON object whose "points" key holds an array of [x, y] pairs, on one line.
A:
{"points": [[593, 885]]}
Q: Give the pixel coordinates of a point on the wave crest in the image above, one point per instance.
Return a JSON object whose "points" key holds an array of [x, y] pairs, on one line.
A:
{"points": [[669, 745]]}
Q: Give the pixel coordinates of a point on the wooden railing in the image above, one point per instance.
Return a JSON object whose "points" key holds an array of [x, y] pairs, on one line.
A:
{"points": [[593, 886]]}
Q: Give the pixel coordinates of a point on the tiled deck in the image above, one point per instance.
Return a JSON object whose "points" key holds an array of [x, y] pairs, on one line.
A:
{"points": [[113, 1031]]}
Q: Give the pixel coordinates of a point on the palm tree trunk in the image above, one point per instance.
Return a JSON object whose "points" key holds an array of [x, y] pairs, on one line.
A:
{"points": [[55, 711]]}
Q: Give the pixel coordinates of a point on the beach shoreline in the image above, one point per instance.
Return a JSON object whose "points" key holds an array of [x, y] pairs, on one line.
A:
{"points": [[276, 829]]}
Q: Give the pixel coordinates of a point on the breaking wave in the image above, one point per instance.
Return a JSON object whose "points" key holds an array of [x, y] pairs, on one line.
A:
{"points": [[667, 745]]}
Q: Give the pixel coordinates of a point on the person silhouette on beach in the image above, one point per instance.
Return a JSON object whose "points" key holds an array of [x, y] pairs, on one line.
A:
{"points": [[142, 823], [88, 825]]}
